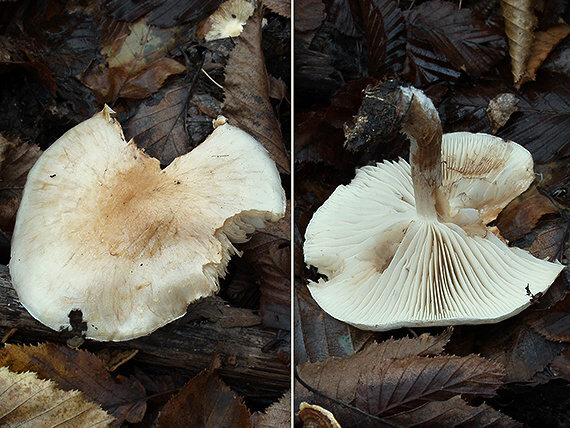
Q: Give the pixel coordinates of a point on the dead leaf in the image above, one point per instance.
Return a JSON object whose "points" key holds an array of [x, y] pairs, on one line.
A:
{"points": [[518, 348], [160, 128], [453, 413], [554, 324], [246, 92], [397, 385], [561, 365], [136, 63], [206, 402], [444, 40], [16, 160], [269, 252], [339, 377], [28, 401], [384, 26], [162, 13], [523, 214], [277, 415], [124, 398], [500, 110], [520, 23], [282, 7], [319, 336], [113, 359], [544, 44], [309, 14]]}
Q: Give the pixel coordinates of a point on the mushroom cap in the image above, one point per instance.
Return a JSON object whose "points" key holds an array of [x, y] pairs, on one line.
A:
{"points": [[102, 229], [228, 20], [388, 267]]}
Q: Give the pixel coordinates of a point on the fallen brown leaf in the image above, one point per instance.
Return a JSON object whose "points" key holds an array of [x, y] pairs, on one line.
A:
{"points": [[136, 63], [160, 128], [246, 92], [123, 397], [520, 23], [206, 402], [282, 7], [500, 110], [277, 415], [401, 384], [309, 14], [16, 160], [26, 400], [453, 413]]}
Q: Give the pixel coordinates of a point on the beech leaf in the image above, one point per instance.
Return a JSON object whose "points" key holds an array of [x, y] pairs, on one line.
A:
{"points": [[453, 413], [282, 7], [136, 63], [277, 415], [160, 128], [16, 160], [246, 91], [339, 377], [309, 14], [400, 384], [520, 23], [28, 401], [205, 401], [123, 398], [269, 252]]}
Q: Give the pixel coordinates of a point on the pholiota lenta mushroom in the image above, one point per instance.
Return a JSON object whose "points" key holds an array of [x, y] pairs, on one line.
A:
{"points": [[103, 230], [407, 244]]}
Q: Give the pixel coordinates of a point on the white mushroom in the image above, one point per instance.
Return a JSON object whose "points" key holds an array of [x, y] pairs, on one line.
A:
{"points": [[228, 20], [408, 245], [102, 229]]}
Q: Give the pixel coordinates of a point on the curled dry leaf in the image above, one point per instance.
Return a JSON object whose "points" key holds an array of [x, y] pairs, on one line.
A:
{"points": [[275, 416], [206, 402], [520, 23], [136, 63], [28, 401], [544, 43], [246, 91], [123, 398]]}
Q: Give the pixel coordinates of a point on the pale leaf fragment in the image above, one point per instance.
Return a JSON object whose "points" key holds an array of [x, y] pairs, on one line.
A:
{"points": [[26, 401]]}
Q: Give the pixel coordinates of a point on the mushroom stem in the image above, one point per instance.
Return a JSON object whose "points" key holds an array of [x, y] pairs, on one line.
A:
{"points": [[422, 126]]}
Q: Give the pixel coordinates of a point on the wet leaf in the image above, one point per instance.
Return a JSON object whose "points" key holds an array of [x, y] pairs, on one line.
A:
{"points": [[162, 13], [383, 22], [269, 252], [26, 400], [401, 384], [136, 65], [309, 14], [123, 398], [206, 402], [160, 128], [518, 348], [452, 413], [246, 91], [16, 160], [544, 44], [444, 40], [540, 125], [318, 336], [275, 416], [343, 17], [554, 324], [282, 7], [339, 377], [561, 365], [520, 23]]}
